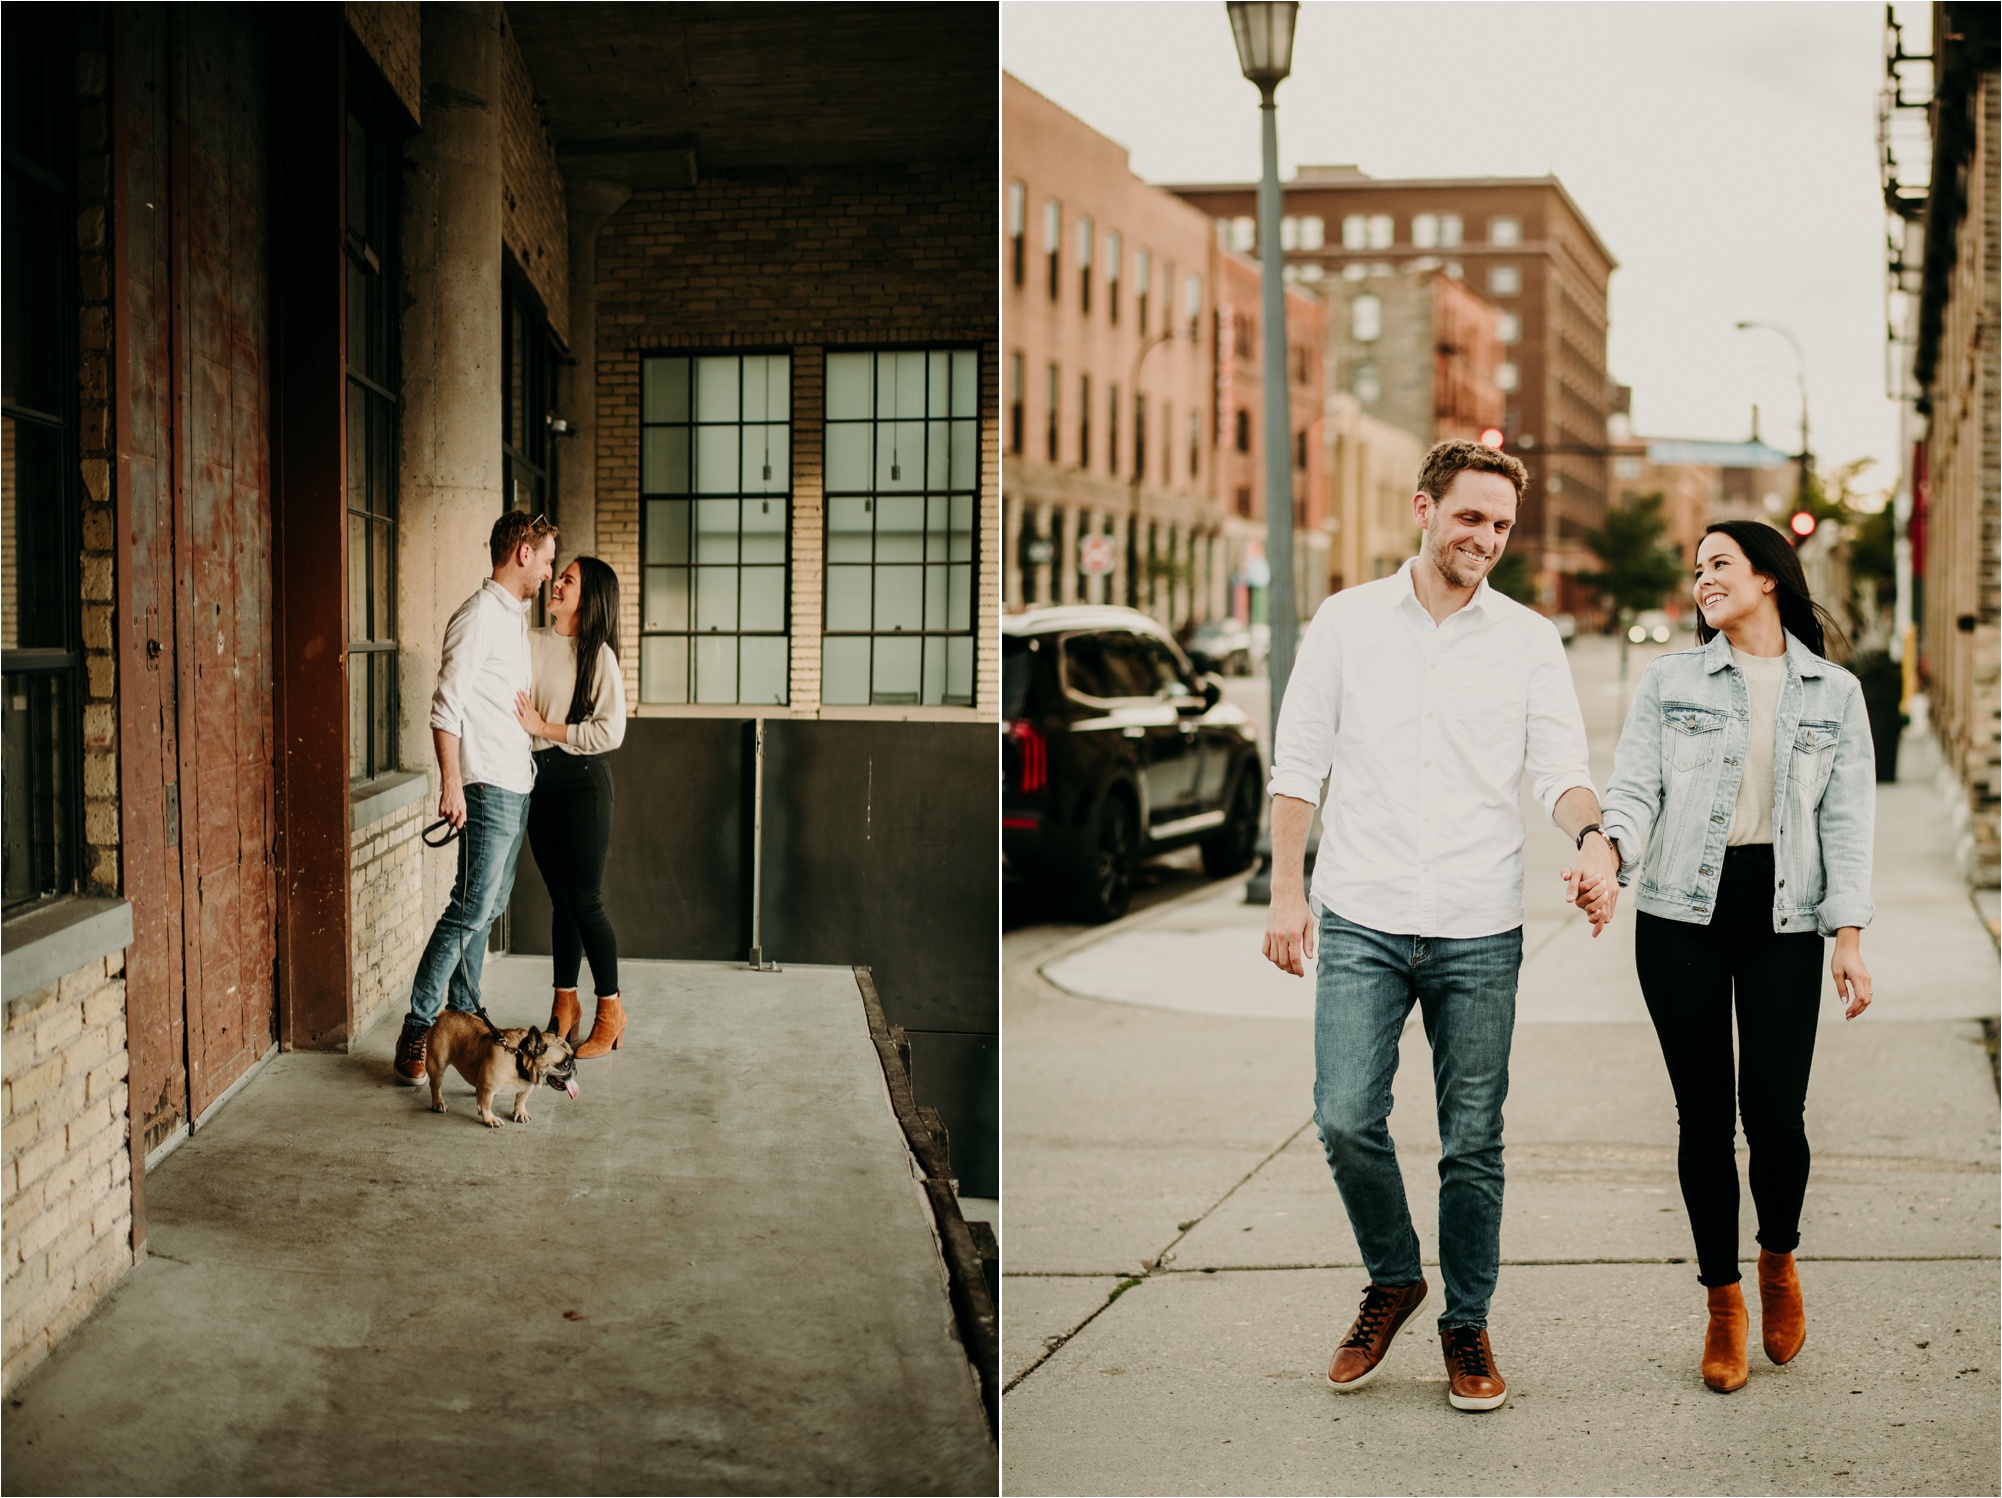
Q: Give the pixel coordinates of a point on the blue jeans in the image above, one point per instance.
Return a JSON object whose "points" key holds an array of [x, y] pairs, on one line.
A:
{"points": [[489, 844], [1466, 991]]}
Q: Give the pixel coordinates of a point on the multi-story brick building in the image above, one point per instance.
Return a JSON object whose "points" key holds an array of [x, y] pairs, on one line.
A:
{"points": [[1419, 349], [1526, 246], [1131, 383], [260, 422]]}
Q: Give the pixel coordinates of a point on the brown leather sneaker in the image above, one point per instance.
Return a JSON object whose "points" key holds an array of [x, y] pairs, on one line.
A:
{"points": [[1473, 1381], [1385, 1309], [410, 1047]]}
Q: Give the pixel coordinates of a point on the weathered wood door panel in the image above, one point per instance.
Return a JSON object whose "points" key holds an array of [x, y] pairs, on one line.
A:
{"points": [[201, 568]]}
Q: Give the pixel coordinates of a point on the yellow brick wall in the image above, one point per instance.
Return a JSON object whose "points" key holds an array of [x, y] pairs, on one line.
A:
{"points": [[66, 1172], [534, 221], [388, 926]]}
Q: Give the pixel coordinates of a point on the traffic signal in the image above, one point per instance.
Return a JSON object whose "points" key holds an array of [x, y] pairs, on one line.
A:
{"points": [[1802, 524]]}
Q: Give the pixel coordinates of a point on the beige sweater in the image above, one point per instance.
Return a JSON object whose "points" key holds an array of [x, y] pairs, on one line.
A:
{"points": [[553, 665]]}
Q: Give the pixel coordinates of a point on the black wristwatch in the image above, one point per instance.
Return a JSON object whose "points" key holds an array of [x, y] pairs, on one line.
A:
{"points": [[1588, 831]]}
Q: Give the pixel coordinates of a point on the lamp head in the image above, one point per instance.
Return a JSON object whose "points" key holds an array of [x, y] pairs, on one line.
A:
{"points": [[1263, 30]]}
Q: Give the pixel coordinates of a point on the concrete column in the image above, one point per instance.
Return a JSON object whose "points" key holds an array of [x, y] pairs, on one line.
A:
{"points": [[451, 473], [590, 203]]}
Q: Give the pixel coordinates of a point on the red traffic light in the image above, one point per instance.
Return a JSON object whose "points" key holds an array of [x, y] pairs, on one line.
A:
{"points": [[1492, 437], [1802, 524]]}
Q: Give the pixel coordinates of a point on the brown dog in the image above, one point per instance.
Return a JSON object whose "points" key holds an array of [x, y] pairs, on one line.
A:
{"points": [[524, 1059]]}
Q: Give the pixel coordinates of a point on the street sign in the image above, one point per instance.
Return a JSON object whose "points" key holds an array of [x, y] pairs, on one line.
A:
{"points": [[1095, 555]]}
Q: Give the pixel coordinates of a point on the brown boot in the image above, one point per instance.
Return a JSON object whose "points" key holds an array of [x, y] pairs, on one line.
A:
{"points": [[1385, 1309], [564, 1014], [1782, 1321], [1724, 1344], [608, 1027]]}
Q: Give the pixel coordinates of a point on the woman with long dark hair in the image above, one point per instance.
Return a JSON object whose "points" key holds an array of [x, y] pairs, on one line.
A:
{"points": [[574, 665], [1744, 796]]}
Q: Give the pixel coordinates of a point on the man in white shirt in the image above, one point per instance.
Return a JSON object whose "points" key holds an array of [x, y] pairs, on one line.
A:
{"points": [[1420, 699], [487, 770]]}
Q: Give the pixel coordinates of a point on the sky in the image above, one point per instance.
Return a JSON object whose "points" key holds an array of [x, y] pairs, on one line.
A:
{"points": [[1725, 153]]}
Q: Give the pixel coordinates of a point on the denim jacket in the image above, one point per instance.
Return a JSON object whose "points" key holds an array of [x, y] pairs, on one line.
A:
{"points": [[1675, 785]]}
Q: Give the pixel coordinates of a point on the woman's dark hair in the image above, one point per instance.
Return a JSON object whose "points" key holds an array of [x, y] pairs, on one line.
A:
{"points": [[1773, 556], [597, 627]]}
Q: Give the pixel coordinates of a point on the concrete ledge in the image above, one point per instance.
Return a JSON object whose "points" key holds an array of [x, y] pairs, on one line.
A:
{"points": [[43, 944], [375, 799]]}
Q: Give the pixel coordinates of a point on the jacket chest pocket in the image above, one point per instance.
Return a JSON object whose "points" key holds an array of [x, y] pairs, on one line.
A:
{"points": [[1813, 758], [1690, 735]]}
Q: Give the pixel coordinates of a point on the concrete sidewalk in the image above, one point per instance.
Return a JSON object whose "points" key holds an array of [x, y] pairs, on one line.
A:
{"points": [[1180, 1268], [715, 1271]]}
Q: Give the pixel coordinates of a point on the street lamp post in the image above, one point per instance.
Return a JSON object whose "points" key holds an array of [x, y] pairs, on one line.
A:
{"points": [[1800, 374], [1263, 30]]}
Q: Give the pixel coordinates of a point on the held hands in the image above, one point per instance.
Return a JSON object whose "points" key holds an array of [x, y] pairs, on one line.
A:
{"points": [[1592, 883], [1852, 979], [1289, 933]]}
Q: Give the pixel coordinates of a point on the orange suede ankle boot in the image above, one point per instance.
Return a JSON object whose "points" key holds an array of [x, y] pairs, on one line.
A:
{"points": [[608, 1028], [1724, 1343], [564, 1014], [1782, 1321]]}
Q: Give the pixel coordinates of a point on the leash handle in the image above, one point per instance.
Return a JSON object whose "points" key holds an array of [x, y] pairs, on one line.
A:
{"points": [[451, 833]]}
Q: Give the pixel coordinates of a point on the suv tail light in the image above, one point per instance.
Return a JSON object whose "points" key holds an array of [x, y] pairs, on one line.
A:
{"points": [[1033, 765]]}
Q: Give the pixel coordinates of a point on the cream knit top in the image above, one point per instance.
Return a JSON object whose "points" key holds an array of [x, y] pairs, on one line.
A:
{"points": [[1752, 817], [553, 667]]}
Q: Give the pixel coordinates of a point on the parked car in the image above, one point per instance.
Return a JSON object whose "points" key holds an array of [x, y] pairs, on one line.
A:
{"points": [[1650, 624], [1221, 645], [1567, 626], [1116, 750]]}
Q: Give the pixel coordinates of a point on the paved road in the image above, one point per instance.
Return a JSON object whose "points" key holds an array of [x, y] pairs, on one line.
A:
{"points": [[1179, 1266]]}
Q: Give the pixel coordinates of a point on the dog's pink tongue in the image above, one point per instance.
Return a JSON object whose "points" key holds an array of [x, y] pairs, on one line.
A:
{"points": [[571, 1088]]}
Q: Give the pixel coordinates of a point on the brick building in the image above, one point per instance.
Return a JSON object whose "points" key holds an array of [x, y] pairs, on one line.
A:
{"points": [[1524, 245], [1132, 384], [741, 342], [1418, 349]]}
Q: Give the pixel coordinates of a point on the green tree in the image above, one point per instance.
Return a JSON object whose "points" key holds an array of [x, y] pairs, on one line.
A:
{"points": [[1511, 576], [1637, 565]]}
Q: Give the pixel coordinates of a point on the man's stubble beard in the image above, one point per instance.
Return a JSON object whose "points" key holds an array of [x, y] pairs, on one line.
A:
{"points": [[1446, 562]]}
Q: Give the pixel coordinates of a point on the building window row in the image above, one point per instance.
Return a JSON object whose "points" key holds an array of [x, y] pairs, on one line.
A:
{"points": [[1100, 258], [1429, 231]]}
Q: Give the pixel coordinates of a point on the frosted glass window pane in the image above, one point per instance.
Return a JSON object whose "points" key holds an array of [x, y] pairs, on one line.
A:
{"points": [[716, 388], [848, 456], [937, 508], [934, 683], [900, 454], [966, 378], [848, 377], [667, 530], [959, 598], [763, 683], [896, 673], [848, 527], [847, 598], [666, 382], [844, 670], [900, 525], [965, 454], [664, 670], [899, 597], [767, 387], [716, 530], [900, 386], [766, 469], [715, 460], [715, 600], [764, 598], [938, 446], [764, 530], [935, 597], [962, 512], [664, 460], [938, 383], [666, 598], [959, 671], [716, 668]]}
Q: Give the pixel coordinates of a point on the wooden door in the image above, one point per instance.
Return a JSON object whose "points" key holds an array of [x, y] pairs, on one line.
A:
{"points": [[198, 757]]}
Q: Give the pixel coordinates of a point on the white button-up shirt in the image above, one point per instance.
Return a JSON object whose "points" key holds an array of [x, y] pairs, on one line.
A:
{"points": [[1421, 733], [484, 663]]}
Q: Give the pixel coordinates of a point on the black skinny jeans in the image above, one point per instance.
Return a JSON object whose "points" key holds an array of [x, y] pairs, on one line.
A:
{"points": [[1688, 974], [569, 827]]}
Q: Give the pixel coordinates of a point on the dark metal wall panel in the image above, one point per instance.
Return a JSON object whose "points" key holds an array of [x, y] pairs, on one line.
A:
{"points": [[677, 877]]}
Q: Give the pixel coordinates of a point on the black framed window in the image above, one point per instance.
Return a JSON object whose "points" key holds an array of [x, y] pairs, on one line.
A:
{"points": [[903, 485], [374, 403], [528, 359], [40, 505], [716, 528]]}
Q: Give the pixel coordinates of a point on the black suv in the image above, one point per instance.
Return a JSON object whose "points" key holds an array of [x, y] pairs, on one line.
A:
{"points": [[1116, 750]]}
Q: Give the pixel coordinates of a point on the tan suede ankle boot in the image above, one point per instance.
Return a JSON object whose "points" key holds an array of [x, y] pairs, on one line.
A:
{"points": [[1724, 1343], [608, 1028], [564, 1013], [1782, 1320]]}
